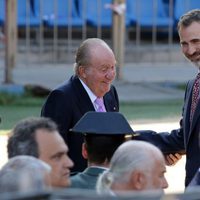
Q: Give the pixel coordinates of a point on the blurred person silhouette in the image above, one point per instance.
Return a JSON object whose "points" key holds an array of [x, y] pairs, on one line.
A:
{"points": [[89, 89], [24, 174], [39, 137], [185, 139], [135, 166], [101, 139]]}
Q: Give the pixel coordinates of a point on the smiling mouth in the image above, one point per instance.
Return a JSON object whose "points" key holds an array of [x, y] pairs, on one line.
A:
{"points": [[107, 83], [195, 58]]}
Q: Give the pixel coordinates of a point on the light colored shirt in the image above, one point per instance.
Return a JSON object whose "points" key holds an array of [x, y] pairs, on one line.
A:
{"points": [[91, 95]]}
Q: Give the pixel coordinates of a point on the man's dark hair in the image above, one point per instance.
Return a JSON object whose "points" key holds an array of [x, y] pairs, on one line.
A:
{"points": [[22, 140], [100, 148], [189, 17]]}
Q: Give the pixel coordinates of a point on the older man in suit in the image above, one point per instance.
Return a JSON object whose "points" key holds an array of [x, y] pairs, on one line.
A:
{"points": [[94, 73], [186, 138]]}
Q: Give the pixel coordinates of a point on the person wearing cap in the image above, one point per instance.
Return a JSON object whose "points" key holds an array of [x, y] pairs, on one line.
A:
{"points": [[135, 166], [101, 141], [89, 89]]}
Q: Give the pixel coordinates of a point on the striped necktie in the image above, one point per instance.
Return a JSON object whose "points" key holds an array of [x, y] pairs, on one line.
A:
{"points": [[100, 105], [195, 96]]}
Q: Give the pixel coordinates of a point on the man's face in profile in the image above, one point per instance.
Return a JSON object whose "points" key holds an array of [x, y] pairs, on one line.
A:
{"points": [[53, 150]]}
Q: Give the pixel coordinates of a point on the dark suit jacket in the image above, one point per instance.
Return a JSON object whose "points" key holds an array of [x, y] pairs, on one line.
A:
{"points": [[66, 105], [86, 179], [185, 139], [196, 179]]}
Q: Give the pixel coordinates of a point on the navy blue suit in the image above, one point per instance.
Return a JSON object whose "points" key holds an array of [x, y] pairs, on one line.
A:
{"points": [[185, 139], [66, 105], [196, 180]]}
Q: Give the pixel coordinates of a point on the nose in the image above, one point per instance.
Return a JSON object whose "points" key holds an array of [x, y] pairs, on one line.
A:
{"points": [[165, 183], [191, 49], [111, 74], [68, 162]]}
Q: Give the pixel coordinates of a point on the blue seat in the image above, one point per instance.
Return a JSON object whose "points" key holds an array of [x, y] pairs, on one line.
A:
{"points": [[25, 15], [183, 6], [143, 13], [58, 12], [96, 12], [2, 12]]}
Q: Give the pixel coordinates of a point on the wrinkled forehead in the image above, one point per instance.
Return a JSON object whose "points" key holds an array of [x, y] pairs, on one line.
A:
{"points": [[102, 55]]}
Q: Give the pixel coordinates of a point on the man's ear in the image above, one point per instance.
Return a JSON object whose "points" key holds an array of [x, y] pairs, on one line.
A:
{"points": [[81, 72], [137, 180], [84, 151]]}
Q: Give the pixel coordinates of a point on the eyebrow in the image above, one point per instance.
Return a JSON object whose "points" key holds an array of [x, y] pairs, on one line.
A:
{"points": [[58, 154]]}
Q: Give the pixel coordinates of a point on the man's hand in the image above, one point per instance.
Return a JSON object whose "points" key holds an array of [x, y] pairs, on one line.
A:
{"points": [[172, 159]]}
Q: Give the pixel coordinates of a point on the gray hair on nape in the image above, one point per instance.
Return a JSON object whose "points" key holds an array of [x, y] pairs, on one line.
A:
{"points": [[104, 183]]}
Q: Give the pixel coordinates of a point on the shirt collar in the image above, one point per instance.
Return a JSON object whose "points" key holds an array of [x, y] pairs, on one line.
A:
{"points": [[89, 92]]}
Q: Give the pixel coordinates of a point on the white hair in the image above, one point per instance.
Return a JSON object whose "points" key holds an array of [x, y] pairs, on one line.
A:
{"points": [[24, 173], [130, 156]]}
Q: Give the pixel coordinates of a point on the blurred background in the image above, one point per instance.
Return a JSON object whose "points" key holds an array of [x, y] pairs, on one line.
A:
{"points": [[39, 38], [139, 31]]}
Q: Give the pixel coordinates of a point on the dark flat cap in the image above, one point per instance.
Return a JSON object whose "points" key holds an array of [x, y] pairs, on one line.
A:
{"points": [[103, 123]]}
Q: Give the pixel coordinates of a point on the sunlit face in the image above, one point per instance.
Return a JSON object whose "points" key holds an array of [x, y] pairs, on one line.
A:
{"points": [[99, 75], [190, 42], [155, 179], [53, 150]]}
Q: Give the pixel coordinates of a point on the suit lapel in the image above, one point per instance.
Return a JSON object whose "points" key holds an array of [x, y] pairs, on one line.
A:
{"points": [[109, 103], [83, 100], [196, 113], [196, 116]]}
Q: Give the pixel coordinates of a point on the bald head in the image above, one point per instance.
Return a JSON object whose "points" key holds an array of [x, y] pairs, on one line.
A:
{"points": [[135, 165]]}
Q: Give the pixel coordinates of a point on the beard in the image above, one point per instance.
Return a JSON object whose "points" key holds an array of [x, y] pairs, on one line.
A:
{"points": [[192, 59], [197, 64]]}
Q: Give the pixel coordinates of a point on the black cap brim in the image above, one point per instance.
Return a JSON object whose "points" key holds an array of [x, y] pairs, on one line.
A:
{"points": [[112, 123]]}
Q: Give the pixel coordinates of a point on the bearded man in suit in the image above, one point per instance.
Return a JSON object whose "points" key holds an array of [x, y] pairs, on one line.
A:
{"points": [[186, 138]]}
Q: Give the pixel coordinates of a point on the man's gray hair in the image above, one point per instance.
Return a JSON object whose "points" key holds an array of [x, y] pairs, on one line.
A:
{"points": [[130, 156], [24, 173], [83, 54], [189, 17]]}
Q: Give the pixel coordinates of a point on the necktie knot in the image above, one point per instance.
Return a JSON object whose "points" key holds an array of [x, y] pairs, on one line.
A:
{"points": [[100, 105], [197, 79]]}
